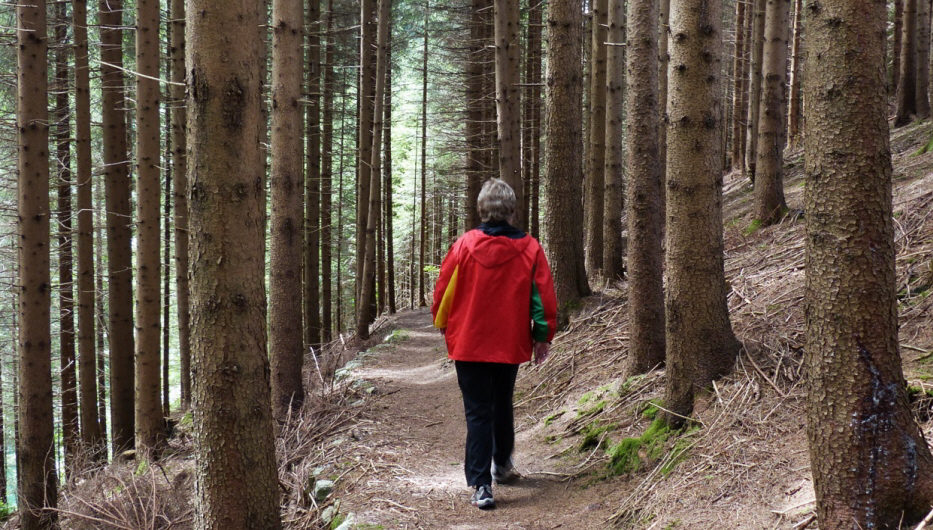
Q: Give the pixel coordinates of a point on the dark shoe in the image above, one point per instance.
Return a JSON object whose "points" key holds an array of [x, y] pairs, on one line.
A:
{"points": [[482, 497], [504, 474]]}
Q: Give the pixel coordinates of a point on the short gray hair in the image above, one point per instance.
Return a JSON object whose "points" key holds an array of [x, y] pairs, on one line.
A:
{"points": [[496, 201]]}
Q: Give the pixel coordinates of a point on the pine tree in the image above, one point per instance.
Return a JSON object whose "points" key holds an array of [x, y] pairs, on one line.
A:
{"points": [[613, 195], [594, 180]]}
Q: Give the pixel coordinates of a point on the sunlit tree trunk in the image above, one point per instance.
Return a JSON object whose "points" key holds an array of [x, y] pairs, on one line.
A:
{"points": [[234, 444], [150, 424], [793, 99], [119, 261], [38, 483], [870, 462], [365, 142], [738, 84], [285, 336], [563, 152], [645, 210], [700, 342], [769, 166]]}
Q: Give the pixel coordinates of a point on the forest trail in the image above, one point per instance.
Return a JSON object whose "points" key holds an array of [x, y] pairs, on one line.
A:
{"points": [[413, 431]]}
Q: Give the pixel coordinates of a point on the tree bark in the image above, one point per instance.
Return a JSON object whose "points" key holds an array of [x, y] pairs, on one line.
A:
{"points": [[923, 59], [375, 193], [754, 86], [738, 83], [474, 113], [534, 95], [150, 424], [700, 342], [664, 59], [87, 355], [871, 465], [119, 232], [595, 179], [424, 159], [896, 44], [285, 337], [769, 165], [793, 100], [907, 82], [312, 247], [180, 184], [71, 431], [38, 492], [614, 133], [234, 445], [508, 100], [327, 164], [389, 221], [367, 44], [645, 271], [562, 157]]}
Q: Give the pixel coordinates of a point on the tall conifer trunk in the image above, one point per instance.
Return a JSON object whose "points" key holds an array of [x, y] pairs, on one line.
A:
{"points": [[756, 49], [871, 465], [389, 221], [738, 83], [285, 336], [232, 411], [119, 262], [312, 248], [613, 193], [91, 434], [594, 180], [150, 424], [700, 342], [907, 82], [474, 114], [327, 164], [508, 116], [36, 465], [793, 99], [365, 135], [923, 59]]}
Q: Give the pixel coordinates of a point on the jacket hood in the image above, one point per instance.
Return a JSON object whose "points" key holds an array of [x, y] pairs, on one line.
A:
{"points": [[493, 251]]}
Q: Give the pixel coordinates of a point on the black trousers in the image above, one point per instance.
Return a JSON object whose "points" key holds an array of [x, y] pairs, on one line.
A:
{"points": [[487, 390]]}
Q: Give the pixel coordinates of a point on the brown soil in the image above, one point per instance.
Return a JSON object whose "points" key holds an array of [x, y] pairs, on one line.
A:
{"points": [[411, 439]]}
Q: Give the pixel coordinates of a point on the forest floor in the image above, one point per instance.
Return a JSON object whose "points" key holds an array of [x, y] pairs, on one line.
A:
{"points": [[384, 421]]}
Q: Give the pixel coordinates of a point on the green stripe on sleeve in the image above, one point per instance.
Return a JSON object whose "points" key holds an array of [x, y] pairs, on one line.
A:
{"points": [[540, 329]]}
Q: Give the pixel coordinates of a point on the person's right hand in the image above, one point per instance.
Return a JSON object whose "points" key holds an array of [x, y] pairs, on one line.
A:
{"points": [[541, 350]]}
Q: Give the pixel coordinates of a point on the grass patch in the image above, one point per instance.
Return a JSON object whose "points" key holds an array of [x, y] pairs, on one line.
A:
{"points": [[752, 227], [593, 435], [550, 418], [396, 336]]}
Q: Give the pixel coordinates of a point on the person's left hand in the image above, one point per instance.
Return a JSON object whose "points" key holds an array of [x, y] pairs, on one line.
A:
{"points": [[542, 350], [443, 331]]}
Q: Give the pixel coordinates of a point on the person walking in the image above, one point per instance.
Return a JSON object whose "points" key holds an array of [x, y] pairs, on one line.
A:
{"points": [[495, 305]]}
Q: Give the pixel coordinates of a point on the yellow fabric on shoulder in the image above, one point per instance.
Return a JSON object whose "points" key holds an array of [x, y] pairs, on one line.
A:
{"points": [[443, 311]]}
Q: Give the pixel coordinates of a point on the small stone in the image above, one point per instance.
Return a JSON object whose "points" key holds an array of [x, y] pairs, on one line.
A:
{"points": [[322, 489], [330, 512], [348, 523]]}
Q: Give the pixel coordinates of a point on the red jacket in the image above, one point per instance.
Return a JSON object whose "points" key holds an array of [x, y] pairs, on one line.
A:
{"points": [[495, 296]]}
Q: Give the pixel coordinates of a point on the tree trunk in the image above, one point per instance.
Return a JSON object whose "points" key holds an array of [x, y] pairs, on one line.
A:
{"points": [[424, 158], [534, 95], [285, 337], [150, 424], [896, 45], [180, 184], [390, 244], [508, 47], [907, 82], [754, 85], [71, 434], [87, 355], [167, 256], [312, 248], [563, 153], [375, 207], [664, 59], [923, 59], [102, 331], [365, 102], [614, 134], [38, 494], [119, 232], [474, 128], [700, 343], [594, 181], [234, 446], [646, 276], [738, 83], [769, 166], [871, 465], [794, 101], [327, 164]]}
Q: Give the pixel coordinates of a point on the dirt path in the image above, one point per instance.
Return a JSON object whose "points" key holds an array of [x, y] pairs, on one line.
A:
{"points": [[413, 435]]}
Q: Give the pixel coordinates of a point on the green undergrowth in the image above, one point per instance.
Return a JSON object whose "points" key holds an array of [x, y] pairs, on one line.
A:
{"points": [[631, 454]]}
